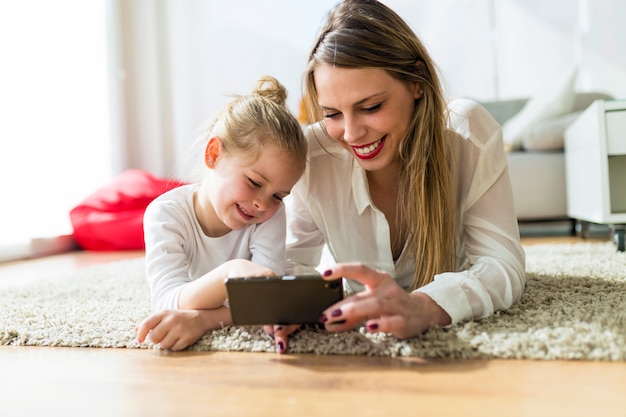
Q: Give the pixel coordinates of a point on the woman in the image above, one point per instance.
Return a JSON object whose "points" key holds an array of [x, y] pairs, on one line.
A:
{"points": [[411, 196]]}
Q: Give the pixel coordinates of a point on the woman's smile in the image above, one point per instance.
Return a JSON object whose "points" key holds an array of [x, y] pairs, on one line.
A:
{"points": [[370, 150]]}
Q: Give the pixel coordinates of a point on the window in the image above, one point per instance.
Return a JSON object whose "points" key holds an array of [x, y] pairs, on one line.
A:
{"points": [[55, 133]]}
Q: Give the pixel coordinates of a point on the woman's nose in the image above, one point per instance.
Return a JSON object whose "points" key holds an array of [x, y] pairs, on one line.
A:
{"points": [[353, 129]]}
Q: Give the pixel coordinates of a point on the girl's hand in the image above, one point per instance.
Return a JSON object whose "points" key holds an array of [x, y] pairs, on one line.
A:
{"points": [[383, 305], [244, 268], [178, 329]]}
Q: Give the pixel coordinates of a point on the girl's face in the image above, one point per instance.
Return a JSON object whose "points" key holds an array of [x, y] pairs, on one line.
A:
{"points": [[241, 193], [367, 110]]}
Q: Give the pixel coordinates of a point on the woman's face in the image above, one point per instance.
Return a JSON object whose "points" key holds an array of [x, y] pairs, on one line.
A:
{"points": [[367, 110]]}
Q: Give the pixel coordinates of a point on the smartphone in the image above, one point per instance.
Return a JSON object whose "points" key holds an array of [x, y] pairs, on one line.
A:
{"points": [[288, 299]]}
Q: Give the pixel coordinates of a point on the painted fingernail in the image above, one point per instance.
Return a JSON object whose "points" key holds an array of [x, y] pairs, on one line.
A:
{"points": [[372, 327], [323, 318], [336, 313], [280, 347], [327, 272]]}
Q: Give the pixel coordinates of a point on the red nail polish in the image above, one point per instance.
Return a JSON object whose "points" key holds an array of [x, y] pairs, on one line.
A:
{"points": [[280, 347], [327, 272], [336, 313], [372, 327], [323, 318]]}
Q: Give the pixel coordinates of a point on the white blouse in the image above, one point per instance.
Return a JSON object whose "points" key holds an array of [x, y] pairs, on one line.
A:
{"points": [[331, 206]]}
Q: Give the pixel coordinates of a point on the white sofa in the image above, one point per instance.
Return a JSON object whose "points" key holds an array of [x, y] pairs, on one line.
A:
{"points": [[537, 164]]}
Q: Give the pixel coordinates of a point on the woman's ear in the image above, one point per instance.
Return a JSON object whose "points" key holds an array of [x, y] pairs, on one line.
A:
{"points": [[212, 151], [417, 91]]}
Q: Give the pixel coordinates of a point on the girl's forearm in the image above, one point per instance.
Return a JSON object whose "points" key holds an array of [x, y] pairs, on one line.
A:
{"points": [[207, 292]]}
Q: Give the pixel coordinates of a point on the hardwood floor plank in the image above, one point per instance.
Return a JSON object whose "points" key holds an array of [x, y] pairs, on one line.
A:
{"points": [[128, 382]]}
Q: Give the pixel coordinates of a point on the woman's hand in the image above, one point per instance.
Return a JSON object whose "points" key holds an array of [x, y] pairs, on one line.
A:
{"points": [[384, 305], [178, 329], [280, 333]]}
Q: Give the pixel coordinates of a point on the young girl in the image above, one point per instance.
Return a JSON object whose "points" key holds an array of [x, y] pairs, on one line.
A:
{"points": [[230, 224]]}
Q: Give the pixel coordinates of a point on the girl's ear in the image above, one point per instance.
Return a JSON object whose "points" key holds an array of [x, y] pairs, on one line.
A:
{"points": [[212, 151]]}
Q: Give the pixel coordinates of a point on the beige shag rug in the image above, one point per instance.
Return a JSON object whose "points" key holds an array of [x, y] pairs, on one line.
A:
{"points": [[574, 307]]}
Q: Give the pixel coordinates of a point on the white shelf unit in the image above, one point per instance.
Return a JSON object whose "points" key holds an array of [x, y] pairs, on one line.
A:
{"points": [[595, 164]]}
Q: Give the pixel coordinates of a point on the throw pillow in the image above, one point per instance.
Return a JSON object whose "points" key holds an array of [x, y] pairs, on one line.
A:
{"points": [[552, 102], [112, 217], [549, 135]]}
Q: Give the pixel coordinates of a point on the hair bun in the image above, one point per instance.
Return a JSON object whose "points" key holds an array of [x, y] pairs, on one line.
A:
{"points": [[269, 88]]}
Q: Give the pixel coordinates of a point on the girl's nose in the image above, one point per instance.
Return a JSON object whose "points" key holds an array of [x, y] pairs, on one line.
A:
{"points": [[260, 203]]}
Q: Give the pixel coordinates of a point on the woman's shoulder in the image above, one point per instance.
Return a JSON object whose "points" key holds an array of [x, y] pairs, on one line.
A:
{"points": [[471, 120], [327, 160], [465, 106], [320, 144], [325, 153]]}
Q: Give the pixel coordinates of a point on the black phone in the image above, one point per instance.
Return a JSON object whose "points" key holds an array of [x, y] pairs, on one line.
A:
{"points": [[288, 299]]}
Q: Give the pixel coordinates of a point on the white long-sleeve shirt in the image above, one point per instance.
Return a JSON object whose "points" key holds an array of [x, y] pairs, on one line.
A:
{"points": [[178, 251], [331, 205]]}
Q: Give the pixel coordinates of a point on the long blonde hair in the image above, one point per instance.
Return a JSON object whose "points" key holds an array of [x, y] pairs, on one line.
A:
{"points": [[368, 34]]}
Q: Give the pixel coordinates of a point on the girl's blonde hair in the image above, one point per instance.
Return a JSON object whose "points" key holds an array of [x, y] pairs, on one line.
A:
{"points": [[249, 123], [368, 34]]}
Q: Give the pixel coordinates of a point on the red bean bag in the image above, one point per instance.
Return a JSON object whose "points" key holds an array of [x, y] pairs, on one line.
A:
{"points": [[112, 217]]}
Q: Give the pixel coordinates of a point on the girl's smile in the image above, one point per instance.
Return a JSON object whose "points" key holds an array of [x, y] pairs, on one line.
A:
{"points": [[246, 216]]}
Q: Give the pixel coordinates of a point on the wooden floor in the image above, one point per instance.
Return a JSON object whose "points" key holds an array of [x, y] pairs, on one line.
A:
{"points": [[128, 382]]}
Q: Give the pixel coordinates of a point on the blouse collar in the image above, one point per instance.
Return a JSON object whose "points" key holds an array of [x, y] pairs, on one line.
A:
{"points": [[360, 188]]}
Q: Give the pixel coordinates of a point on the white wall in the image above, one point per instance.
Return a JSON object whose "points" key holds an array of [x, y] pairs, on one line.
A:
{"points": [[206, 50], [485, 48], [510, 48]]}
